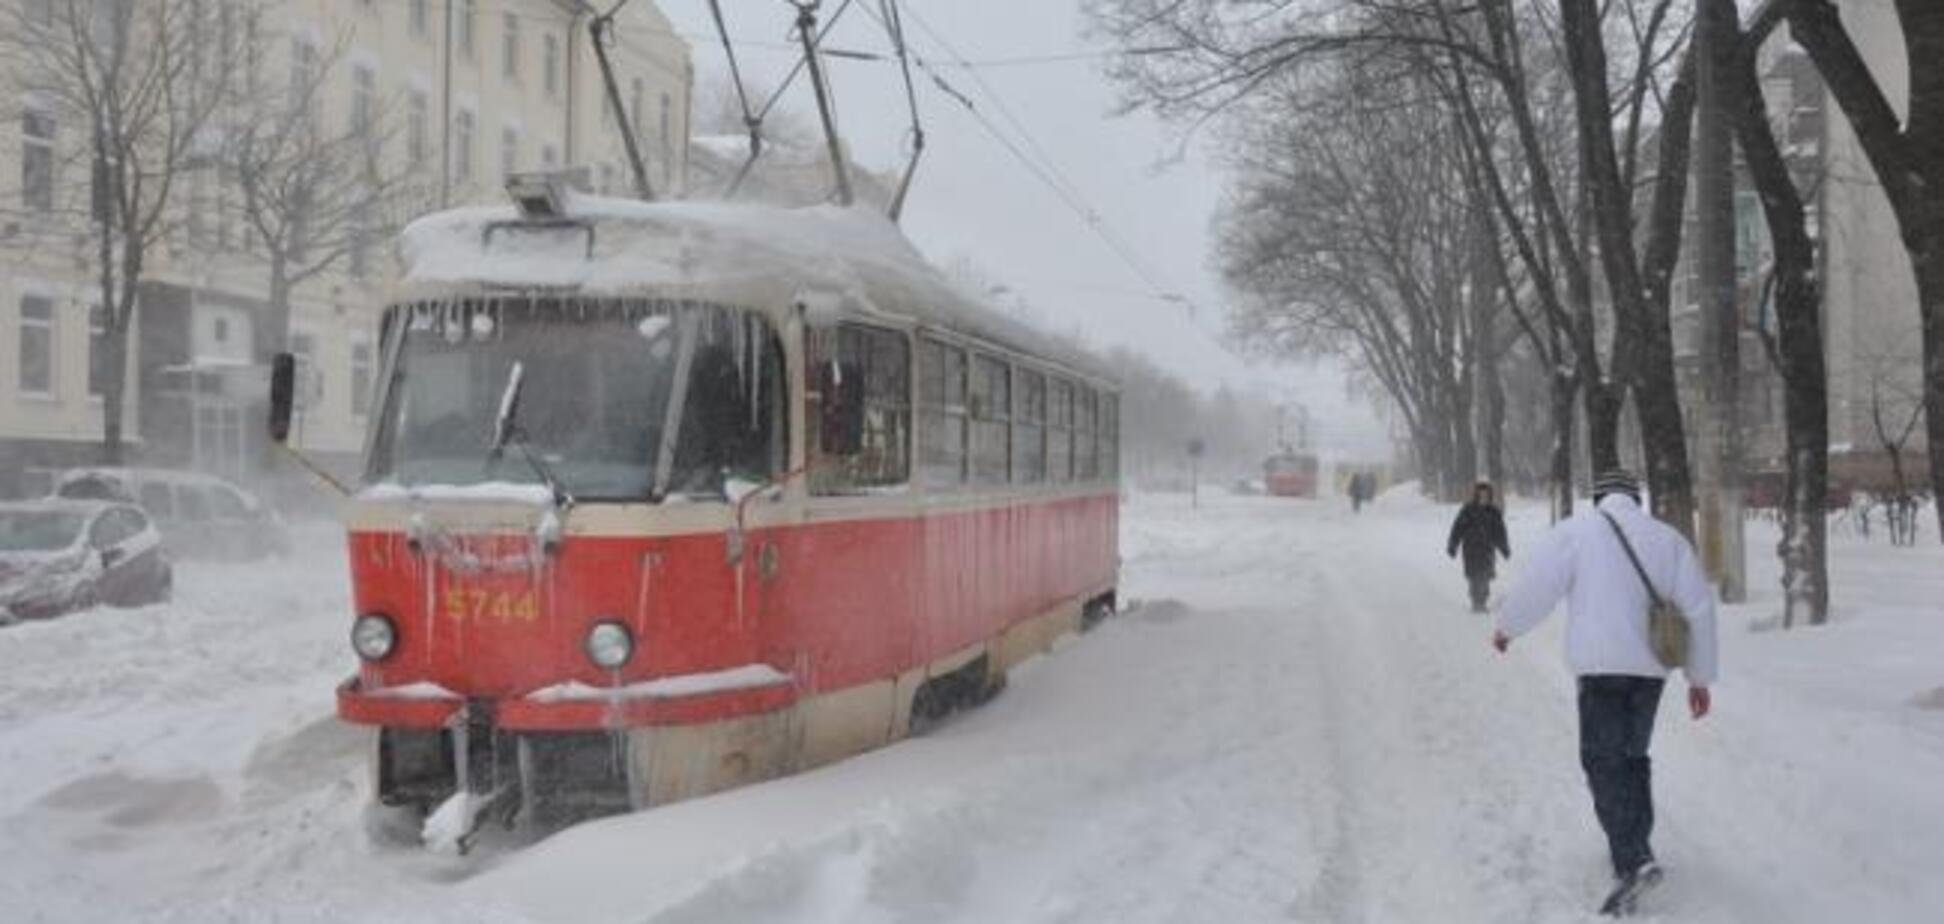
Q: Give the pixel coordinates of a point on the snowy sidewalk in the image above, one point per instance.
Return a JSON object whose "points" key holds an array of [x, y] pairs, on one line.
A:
{"points": [[1300, 722]]}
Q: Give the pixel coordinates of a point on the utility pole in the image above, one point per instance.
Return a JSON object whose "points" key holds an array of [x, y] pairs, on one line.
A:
{"points": [[1722, 548]]}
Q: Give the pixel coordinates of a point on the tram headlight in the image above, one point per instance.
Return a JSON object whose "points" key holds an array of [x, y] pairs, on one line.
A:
{"points": [[609, 644], [373, 637]]}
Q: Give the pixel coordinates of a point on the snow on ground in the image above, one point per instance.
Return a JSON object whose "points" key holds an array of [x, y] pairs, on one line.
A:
{"points": [[1298, 721]]}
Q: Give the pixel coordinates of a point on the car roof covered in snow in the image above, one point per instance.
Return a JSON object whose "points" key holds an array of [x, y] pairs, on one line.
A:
{"points": [[86, 508], [828, 261]]}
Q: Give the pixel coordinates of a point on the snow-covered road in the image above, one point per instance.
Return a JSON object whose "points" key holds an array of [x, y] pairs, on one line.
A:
{"points": [[1299, 721]]}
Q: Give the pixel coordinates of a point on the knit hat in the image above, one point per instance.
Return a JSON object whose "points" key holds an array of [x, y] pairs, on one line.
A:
{"points": [[1616, 481]]}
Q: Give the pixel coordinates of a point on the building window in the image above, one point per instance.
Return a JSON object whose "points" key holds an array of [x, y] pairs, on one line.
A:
{"points": [[303, 67], [418, 134], [98, 364], [1029, 427], [36, 346], [310, 379], [1086, 462], [37, 161], [462, 145], [509, 150], [550, 63], [1109, 436], [364, 104], [360, 377], [510, 48], [549, 156], [859, 405], [361, 235], [468, 25], [636, 96], [667, 142], [991, 407], [421, 17], [1059, 432], [941, 409]]}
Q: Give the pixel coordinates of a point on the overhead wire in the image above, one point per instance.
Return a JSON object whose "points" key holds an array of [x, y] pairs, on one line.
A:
{"points": [[1038, 162]]}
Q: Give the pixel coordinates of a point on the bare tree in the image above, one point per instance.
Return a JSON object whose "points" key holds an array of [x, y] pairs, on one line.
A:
{"points": [[1483, 56], [1894, 374], [1347, 232], [1797, 347], [1907, 154], [315, 197], [143, 81]]}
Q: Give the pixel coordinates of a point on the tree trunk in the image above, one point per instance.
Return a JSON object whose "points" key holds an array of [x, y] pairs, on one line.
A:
{"points": [[1491, 414], [1644, 353], [116, 385], [273, 335], [1603, 405], [1930, 296], [1463, 460], [1798, 305], [114, 388], [1564, 391]]}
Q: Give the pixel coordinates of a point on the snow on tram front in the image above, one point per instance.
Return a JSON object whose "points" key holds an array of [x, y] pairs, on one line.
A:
{"points": [[661, 499]]}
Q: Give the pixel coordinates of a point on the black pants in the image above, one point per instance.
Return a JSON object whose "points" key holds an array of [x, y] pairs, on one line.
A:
{"points": [[1616, 723], [1481, 590]]}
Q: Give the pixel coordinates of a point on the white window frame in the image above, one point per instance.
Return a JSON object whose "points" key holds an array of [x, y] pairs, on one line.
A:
{"points": [[550, 63], [468, 13], [43, 144], [465, 131], [357, 368], [509, 150], [418, 126], [364, 101], [510, 46], [52, 325]]}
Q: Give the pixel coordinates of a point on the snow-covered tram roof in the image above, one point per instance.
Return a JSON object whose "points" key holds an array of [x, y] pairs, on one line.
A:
{"points": [[835, 261]]}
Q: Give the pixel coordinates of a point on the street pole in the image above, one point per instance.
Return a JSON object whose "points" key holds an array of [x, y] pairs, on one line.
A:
{"points": [[1722, 547]]}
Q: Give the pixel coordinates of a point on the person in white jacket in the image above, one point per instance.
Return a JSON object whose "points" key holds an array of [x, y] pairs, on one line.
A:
{"points": [[1607, 646]]}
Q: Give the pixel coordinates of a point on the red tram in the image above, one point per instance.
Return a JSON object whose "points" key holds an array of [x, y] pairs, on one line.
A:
{"points": [[1290, 474], [662, 499]]}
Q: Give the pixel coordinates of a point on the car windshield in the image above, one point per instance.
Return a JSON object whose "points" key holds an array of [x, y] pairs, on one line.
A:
{"points": [[600, 382], [38, 530]]}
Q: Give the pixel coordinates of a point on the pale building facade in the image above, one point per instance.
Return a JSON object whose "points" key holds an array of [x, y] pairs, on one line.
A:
{"points": [[461, 92]]}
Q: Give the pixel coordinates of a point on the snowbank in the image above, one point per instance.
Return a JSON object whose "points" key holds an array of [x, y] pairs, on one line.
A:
{"points": [[1302, 723]]}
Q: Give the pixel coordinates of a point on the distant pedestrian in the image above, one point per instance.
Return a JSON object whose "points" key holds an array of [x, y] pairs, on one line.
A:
{"points": [[1363, 486], [1614, 564], [1479, 532]]}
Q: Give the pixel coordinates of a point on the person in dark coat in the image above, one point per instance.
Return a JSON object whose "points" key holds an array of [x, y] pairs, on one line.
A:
{"points": [[1480, 532]]}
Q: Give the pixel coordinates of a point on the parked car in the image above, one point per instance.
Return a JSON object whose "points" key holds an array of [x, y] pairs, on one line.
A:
{"points": [[199, 516], [62, 555]]}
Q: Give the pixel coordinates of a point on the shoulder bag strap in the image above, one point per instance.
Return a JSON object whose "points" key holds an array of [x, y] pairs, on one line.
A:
{"points": [[1628, 546]]}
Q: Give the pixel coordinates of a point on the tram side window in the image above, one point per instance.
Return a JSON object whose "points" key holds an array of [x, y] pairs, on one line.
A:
{"points": [[859, 400], [1059, 432], [941, 413], [1086, 462], [1110, 436], [991, 420], [1029, 427]]}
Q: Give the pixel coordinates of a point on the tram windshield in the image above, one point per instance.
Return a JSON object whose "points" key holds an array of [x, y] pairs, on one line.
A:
{"points": [[601, 384]]}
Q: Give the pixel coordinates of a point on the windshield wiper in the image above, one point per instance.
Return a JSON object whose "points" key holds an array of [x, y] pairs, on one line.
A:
{"points": [[507, 432]]}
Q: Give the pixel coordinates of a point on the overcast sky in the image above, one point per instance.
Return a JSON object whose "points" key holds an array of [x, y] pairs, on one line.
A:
{"points": [[974, 200]]}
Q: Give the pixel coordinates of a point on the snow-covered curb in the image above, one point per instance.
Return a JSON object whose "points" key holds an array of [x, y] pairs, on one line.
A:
{"points": [[747, 677]]}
